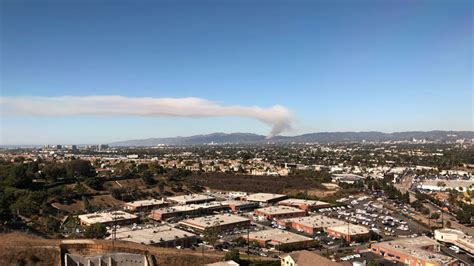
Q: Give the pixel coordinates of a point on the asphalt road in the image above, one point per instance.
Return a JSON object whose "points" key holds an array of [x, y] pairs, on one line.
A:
{"points": [[466, 258]]}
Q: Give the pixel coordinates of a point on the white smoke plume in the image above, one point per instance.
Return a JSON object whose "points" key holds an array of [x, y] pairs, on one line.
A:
{"points": [[278, 117]]}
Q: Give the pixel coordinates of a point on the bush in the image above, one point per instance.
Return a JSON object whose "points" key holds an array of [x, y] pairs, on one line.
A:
{"points": [[232, 254], [94, 183], [96, 230]]}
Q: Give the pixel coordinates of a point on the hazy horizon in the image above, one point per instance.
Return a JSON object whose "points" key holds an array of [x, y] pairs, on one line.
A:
{"points": [[184, 68]]}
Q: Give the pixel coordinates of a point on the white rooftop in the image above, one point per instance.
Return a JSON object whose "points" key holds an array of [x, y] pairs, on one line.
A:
{"points": [[302, 201], [213, 220], [184, 199], [353, 229], [316, 221], [191, 207], [106, 217], [151, 235], [414, 247], [280, 236], [264, 197], [147, 202], [276, 210]]}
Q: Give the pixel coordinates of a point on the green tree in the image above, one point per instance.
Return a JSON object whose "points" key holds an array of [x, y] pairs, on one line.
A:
{"points": [[96, 230], [161, 187], [372, 263], [211, 235], [94, 183], [232, 254], [447, 224], [147, 177], [79, 168]]}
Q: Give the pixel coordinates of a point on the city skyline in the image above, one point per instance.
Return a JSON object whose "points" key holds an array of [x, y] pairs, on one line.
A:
{"points": [[342, 66]]}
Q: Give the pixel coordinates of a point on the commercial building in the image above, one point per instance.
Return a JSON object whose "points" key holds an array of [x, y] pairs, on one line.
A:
{"points": [[305, 258], [108, 218], [162, 236], [220, 222], [237, 205], [188, 210], [144, 205], [413, 252], [275, 237], [266, 197], [455, 237], [108, 259], [311, 224], [445, 185], [304, 204], [349, 232], [224, 263], [191, 199], [347, 178], [279, 212]]}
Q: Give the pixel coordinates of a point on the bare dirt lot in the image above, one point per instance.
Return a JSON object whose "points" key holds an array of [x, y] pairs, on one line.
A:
{"points": [[247, 183], [23, 249]]}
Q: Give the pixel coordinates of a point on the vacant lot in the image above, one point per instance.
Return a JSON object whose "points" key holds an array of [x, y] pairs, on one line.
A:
{"points": [[247, 183], [23, 249]]}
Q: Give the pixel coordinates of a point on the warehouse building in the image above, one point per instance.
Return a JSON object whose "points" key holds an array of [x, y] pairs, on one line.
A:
{"points": [[279, 212], [188, 210], [275, 237], [108, 218], [237, 205], [107, 259], [413, 252], [349, 232], [266, 197], [144, 205], [191, 199], [220, 222], [304, 204], [162, 236], [311, 224]]}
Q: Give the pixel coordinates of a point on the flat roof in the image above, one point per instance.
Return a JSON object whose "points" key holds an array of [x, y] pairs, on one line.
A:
{"points": [[152, 235], [347, 176], [448, 183], [276, 210], [265, 197], [295, 202], [240, 203], [213, 220], [276, 235], [191, 207], [147, 202], [414, 247], [191, 198], [106, 217], [352, 229], [316, 221]]}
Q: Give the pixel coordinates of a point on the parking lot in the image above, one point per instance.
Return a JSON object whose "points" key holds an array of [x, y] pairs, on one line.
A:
{"points": [[370, 212]]}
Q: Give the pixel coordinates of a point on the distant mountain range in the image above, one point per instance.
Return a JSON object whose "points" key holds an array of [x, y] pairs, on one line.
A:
{"points": [[321, 137]]}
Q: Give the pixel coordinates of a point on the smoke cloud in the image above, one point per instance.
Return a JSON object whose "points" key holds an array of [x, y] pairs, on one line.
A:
{"points": [[278, 117]]}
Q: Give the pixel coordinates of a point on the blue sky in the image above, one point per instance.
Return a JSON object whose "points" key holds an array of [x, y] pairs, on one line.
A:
{"points": [[336, 65]]}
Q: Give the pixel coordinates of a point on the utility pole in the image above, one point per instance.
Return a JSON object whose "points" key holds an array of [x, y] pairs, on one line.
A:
{"points": [[248, 240], [442, 218], [429, 219], [348, 233], [114, 229]]}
